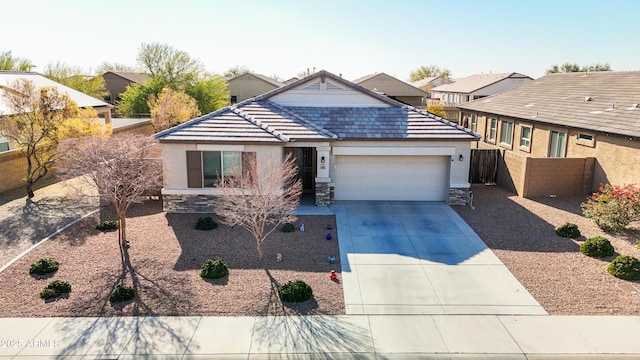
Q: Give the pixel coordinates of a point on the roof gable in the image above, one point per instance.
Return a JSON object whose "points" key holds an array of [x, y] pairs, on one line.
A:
{"points": [[389, 85], [138, 78], [254, 76], [604, 101]]}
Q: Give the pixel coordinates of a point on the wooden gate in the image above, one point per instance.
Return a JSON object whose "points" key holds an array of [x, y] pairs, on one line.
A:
{"points": [[484, 166]]}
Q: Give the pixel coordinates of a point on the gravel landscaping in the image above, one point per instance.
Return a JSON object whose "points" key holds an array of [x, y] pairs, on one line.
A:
{"points": [[166, 255], [521, 232]]}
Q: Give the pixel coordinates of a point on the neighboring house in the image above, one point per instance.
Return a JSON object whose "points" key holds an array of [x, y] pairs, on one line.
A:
{"points": [[8, 78], [116, 83], [248, 85], [394, 88], [475, 87], [350, 144], [429, 83], [563, 133]]}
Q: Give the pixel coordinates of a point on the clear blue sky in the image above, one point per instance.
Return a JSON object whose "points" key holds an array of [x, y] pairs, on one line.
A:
{"points": [[353, 38]]}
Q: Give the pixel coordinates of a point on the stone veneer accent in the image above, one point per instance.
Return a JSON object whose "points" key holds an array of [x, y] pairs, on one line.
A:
{"points": [[459, 196], [188, 203], [323, 193]]}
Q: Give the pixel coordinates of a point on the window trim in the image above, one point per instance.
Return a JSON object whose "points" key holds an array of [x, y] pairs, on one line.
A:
{"points": [[586, 142], [474, 123], [564, 145], [492, 130], [509, 125], [526, 148]]}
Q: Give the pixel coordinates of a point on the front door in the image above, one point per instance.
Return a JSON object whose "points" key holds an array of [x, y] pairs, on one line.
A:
{"points": [[306, 162]]}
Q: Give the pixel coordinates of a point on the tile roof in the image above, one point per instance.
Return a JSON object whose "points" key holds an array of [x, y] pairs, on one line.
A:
{"points": [[262, 120], [7, 78], [475, 82], [604, 101], [139, 78], [389, 85]]}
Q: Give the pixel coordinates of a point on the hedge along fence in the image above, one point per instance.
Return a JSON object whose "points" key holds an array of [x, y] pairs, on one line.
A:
{"points": [[13, 164]]}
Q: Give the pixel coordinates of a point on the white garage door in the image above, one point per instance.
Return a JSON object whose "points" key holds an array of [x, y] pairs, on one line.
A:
{"points": [[419, 178]]}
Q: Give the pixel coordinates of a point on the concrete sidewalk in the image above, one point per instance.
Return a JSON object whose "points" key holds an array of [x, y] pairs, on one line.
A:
{"points": [[322, 337]]}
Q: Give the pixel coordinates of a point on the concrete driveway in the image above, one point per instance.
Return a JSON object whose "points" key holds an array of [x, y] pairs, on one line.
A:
{"points": [[421, 258]]}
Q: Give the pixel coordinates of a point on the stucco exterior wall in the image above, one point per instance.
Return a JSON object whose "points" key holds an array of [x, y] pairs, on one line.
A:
{"points": [[115, 85], [327, 93], [174, 163]]}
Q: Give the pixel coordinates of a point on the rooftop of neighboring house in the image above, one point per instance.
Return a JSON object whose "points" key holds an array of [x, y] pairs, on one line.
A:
{"points": [[8, 78], [259, 76], [388, 85], [262, 119], [429, 80], [607, 101], [476, 82], [139, 78]]}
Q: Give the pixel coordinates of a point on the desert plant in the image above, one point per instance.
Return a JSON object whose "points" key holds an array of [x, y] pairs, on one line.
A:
{"points": [[295, 291], [206, 223], [568, 230], [287, 228], [44, 266], [55, 289], [108, 225], [214, 269], [597, 247], [613, 207], [122, 293], [625, 267]]}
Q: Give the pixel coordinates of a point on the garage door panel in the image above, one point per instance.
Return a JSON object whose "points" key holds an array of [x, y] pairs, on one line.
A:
{"points": [[422, 178]]}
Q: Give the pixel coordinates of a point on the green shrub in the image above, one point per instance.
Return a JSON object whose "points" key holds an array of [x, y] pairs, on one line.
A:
{"points": [[613, 207], [287, 228], [597, 247], [214, 269], [44, 266], [206, 223], [625, 267], [55, 289], [122, 293], [295, 291], [568, 230], [108, 225]]}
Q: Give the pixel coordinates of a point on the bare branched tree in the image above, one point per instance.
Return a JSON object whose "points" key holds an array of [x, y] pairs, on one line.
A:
{"points": [[120, 167], [260, 198]]}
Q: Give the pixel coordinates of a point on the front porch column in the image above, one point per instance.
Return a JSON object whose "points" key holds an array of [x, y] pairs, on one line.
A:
{"points": [[323, 181]]}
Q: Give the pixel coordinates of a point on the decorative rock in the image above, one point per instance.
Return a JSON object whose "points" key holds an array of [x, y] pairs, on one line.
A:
{"points": [[333, 276], [302, 228], [329, 237], [329, 227], [331, 259], [279, 257]]}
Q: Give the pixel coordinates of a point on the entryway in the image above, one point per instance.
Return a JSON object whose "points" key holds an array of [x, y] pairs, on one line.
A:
{"points": [[306, 162]]}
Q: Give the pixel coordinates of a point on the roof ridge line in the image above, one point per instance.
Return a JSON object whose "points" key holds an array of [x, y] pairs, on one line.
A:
{"points": [[313, 125], [245, 115], [443, 120]]}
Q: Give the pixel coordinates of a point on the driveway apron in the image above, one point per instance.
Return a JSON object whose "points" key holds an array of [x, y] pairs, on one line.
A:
{"points": [[421, 258]]}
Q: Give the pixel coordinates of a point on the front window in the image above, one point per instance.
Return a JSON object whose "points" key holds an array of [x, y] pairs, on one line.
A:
{"points": [[492, 130], [556, 144], [220, 165], [525, 138], [506, 133], [474, 122], [4, 144]]}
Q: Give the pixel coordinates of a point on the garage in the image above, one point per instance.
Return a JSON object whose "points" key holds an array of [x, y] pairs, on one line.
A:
{"points": [[417, 178]]}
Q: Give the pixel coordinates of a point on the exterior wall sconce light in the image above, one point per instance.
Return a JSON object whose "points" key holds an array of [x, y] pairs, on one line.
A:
{"points": [[460, 157], [322, 162]]}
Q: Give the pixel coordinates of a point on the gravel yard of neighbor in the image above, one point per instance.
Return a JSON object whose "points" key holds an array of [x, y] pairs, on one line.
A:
{"points": [[166, 255], [521, 232]]}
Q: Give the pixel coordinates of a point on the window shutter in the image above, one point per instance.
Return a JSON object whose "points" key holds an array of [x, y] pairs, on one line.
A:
{"points": [[249, 168], [194, 169]]}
